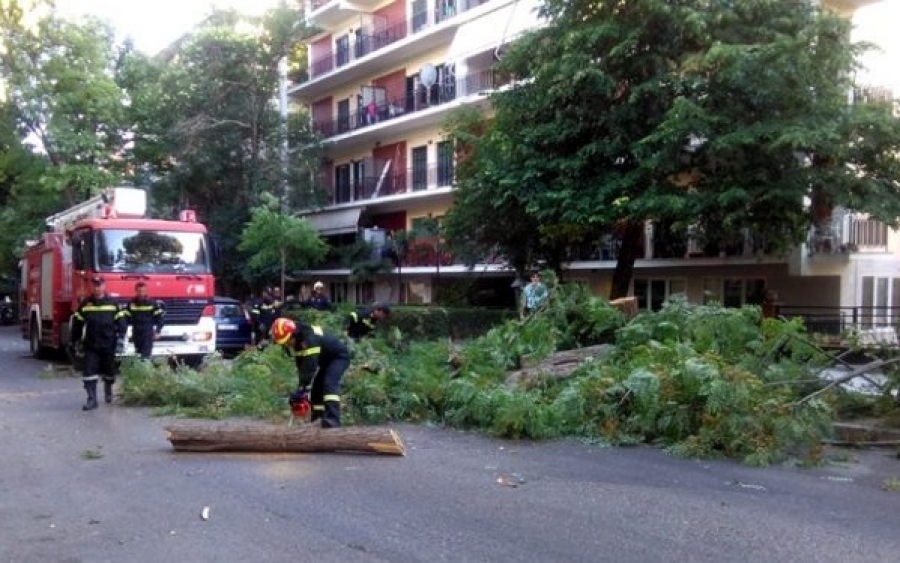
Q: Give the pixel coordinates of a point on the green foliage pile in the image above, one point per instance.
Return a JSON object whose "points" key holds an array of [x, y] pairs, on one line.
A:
{"points": [[256, 385], [698, 380]]}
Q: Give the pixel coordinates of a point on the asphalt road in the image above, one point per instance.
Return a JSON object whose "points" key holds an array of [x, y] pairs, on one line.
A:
{"points": [[455, 497]]}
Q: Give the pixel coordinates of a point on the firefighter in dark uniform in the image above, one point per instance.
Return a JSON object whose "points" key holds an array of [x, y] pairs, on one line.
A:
{"points": [[146, 318], [361, 322], [102, 325], [321, 358], [263, 312]]}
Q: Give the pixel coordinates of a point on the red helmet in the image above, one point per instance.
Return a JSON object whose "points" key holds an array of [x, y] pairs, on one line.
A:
{"points": [[282, 330]]}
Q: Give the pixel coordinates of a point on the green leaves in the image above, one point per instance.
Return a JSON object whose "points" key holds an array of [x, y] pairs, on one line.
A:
{"points": [[274, 238], [693, 111]]}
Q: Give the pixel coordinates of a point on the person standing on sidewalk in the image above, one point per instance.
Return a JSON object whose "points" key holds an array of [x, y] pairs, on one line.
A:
{"points": [[101, 325]]}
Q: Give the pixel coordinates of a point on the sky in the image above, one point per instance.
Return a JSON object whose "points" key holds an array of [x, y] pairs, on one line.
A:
{"points": [[877, 23], [155, 24]]}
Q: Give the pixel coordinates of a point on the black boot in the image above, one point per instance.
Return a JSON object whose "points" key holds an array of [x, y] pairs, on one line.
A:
{"points": [[332, 416], [91, 388], [107, 391]]}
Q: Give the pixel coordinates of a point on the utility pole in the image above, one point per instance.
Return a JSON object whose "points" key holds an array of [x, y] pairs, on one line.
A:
{"points": [[283, 112]]}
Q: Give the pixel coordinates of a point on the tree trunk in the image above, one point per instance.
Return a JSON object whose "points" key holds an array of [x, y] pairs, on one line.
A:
{"points": [[632, 237], [209, 436]]}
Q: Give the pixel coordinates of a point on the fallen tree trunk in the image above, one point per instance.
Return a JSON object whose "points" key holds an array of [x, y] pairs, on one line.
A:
{"points": [[558, 365], [208, 436]]}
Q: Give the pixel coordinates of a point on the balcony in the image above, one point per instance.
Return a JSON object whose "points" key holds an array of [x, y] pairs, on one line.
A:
{"points": [[328, 13], [409, 181], [412, 103], [463, 27], [847, 233], [366, 43]]}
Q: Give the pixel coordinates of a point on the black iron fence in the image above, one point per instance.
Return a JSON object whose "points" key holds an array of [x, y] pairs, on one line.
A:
{"points": [[395, 182], [875, 322]]}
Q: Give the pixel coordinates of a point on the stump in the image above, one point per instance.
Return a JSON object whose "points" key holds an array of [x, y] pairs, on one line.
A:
{"points": [[208, 436], [628, 306]]}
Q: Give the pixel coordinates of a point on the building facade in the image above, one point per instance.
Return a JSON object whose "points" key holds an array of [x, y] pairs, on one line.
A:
{"points": [[384, 75]]}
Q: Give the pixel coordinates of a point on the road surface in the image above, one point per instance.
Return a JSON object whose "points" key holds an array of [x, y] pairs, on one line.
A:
{"points": [[105, 486]]}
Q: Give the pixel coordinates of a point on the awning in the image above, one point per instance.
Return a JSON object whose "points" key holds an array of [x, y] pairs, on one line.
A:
{"points": [[491, 30], [337, 222]]}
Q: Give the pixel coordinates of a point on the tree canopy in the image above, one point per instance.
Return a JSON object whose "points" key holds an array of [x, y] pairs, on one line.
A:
{"points": [[197, 125], [273, 239], [707, 115]]}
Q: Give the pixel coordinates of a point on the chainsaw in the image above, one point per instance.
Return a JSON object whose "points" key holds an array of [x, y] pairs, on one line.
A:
{"points": [[299, 403]]}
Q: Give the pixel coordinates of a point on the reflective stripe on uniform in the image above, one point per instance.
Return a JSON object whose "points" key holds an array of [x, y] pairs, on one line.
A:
{"points": [[332, 398], [317, 330], [121, 314], [142, 307], [90, 377], [99, 308], [318, 407], [78, 316], [309, 351]]}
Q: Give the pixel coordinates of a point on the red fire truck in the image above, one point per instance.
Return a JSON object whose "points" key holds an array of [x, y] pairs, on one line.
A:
{"points": [[108, 236]]}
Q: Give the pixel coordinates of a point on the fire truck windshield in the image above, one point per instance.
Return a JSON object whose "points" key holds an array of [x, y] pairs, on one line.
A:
{"points": [[163, 252]]}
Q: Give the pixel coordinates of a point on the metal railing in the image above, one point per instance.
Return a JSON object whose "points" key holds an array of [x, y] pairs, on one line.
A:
{"points": [[848, 232], [405, 105], [372, 40], [840, 321], [398, 182]]}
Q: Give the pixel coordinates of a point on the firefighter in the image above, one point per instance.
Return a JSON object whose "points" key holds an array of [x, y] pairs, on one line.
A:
{"points": [[264, 312], [146, 318], [321, 358], [102, 325], [318, 300], [361, 322]]}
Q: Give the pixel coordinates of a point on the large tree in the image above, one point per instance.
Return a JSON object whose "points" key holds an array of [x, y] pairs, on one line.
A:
{"points": [[61, 126], [709, 115], [208, 132]]}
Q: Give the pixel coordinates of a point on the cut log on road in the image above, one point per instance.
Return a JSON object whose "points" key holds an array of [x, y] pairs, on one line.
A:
{"points": [[209, 436]]}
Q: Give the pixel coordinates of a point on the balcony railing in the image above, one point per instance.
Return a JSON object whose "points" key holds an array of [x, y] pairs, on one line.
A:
{"points": [[394, 183], [848, 232], [373, 40], [872, 325], [410, 103]]}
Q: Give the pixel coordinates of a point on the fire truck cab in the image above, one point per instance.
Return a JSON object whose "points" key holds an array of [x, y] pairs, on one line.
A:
{"points": [[110, 237]]}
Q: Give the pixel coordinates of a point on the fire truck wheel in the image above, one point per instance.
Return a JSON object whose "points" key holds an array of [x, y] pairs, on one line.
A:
{"points": [[38, 351]]}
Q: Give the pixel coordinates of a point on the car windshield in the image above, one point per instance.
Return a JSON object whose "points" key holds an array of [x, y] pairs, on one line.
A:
{"points": [[165, 252], [230, 310]]}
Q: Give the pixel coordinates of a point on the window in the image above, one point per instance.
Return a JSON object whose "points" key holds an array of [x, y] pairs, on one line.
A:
{"points": [[359, 175], [338, 292], [445, 163], [420, 15], [652, 293], [733, 292], [444, 88], [342, 50], [343, 120], [126, 250], [365, 292], [342, 186], [420, 168], [880, 301]]}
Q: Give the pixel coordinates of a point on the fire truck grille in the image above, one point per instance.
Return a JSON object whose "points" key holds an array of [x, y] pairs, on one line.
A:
{"points": [[184, 311]]}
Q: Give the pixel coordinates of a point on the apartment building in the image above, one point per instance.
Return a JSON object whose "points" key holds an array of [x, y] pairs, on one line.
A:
{"points": [[384, 75]]}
